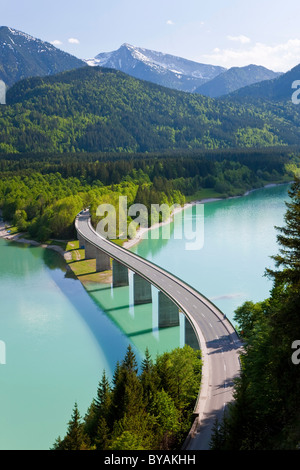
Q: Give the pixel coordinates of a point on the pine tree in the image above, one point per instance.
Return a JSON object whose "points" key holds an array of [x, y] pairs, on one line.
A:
{"points": [[75, 439], [127, 392], [103, 399], [289, 239], [148, 378]]}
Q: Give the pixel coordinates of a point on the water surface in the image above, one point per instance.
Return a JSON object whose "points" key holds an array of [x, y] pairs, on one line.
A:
{"points": [[59, 338]]}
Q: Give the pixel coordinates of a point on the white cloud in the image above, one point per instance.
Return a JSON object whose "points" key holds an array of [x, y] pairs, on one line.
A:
{"points": [[242, 39], [73, 41], [170, 22], [56, 42], [279, 57]]}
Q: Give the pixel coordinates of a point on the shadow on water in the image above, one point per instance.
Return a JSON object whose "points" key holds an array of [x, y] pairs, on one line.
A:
{"points": [[110, 314], [110, 339]]}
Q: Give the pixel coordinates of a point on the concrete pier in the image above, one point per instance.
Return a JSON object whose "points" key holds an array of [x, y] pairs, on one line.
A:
{"points": [[190, 336], [90, 251], [119, 274], [142, 292], [81, 242], [102, 261], [168, 312]]}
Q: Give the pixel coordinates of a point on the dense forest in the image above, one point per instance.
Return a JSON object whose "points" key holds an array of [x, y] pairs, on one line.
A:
{"points": [[266, 411], [144, 409], [95, 109], [42, 194]]}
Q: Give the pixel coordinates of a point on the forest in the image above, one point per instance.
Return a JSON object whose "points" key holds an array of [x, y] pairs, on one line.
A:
{"points": [[143, 408], [42, 194], [266, 412], [93, 109]]}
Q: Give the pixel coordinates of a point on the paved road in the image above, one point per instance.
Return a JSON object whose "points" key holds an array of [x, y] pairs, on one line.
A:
{"points": [[219, 343]]}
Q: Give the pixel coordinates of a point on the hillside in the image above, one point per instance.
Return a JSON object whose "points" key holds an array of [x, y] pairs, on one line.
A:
{"points": [[277, 89], [22, 56], [234, 79], [94, 109]]}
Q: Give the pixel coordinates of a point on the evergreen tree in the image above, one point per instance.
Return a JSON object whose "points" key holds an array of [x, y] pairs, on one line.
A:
{"points": [[289, 240], [75, 439]]}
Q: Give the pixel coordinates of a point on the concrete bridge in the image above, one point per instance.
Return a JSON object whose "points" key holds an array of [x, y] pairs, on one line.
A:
{"points": [[206, 328]]}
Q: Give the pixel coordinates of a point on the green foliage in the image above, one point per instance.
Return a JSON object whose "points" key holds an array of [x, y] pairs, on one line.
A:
{"points": [[76, 438], [93, 109], [265, 414], [140, 411], [43, 194]]}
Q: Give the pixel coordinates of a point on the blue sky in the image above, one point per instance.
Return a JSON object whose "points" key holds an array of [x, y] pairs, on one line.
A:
{"points": [[220, 32]]}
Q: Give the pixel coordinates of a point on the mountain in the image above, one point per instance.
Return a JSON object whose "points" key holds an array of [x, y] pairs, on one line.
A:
{"points": [[157, 67], [94, 109], [22, 56], [235, 78], [276, 90]]}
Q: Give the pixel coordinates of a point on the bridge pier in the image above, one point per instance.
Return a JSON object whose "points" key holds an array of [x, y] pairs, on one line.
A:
{"points": [[119, 274], [90, 250], [82, 242], [190, 335], [141, 290], [102, 261], [168, 312]]}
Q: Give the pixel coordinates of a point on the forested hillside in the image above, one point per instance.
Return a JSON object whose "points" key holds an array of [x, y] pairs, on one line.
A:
{"points": [[143, 409], [94, 109], [43, 194]]}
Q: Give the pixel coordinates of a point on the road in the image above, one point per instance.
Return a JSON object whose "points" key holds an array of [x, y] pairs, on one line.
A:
{"points": [[219, 342]]}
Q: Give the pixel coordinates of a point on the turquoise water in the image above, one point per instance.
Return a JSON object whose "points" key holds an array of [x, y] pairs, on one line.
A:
{"points": [[239, 240], [58, 341], [58, 338], [57, 344]]}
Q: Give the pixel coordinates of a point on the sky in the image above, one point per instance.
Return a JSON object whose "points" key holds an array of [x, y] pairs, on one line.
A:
{"points": [[219, 32]]}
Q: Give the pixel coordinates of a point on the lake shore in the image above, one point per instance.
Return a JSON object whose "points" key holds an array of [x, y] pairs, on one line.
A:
{"points": [[20, 237]]}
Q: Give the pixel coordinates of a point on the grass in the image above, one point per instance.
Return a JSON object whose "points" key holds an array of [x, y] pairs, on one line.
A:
{"points": [[203, 194], [84, 269]]}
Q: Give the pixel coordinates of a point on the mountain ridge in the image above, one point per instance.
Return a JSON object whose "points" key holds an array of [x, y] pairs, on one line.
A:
{"points": [[23, 56], [94, 109], [164, 69], [277, 89], [236, 78]]}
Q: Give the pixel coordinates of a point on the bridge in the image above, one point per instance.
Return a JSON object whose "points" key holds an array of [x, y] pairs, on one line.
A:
{"points": [[206, 328]]}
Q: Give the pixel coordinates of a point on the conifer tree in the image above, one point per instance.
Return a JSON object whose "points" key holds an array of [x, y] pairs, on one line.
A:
{"points": [[75, 439], [289, 239]]}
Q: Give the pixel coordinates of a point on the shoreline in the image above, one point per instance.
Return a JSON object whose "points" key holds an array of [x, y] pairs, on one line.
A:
{"points": [[139, 236], [19, 237]]}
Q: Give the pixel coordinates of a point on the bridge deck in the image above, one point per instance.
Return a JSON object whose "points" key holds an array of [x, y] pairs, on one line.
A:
{"points": [[219, 342]]}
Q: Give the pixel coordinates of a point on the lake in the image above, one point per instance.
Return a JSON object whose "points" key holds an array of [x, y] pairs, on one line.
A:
{"points": [[59, 337]]}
